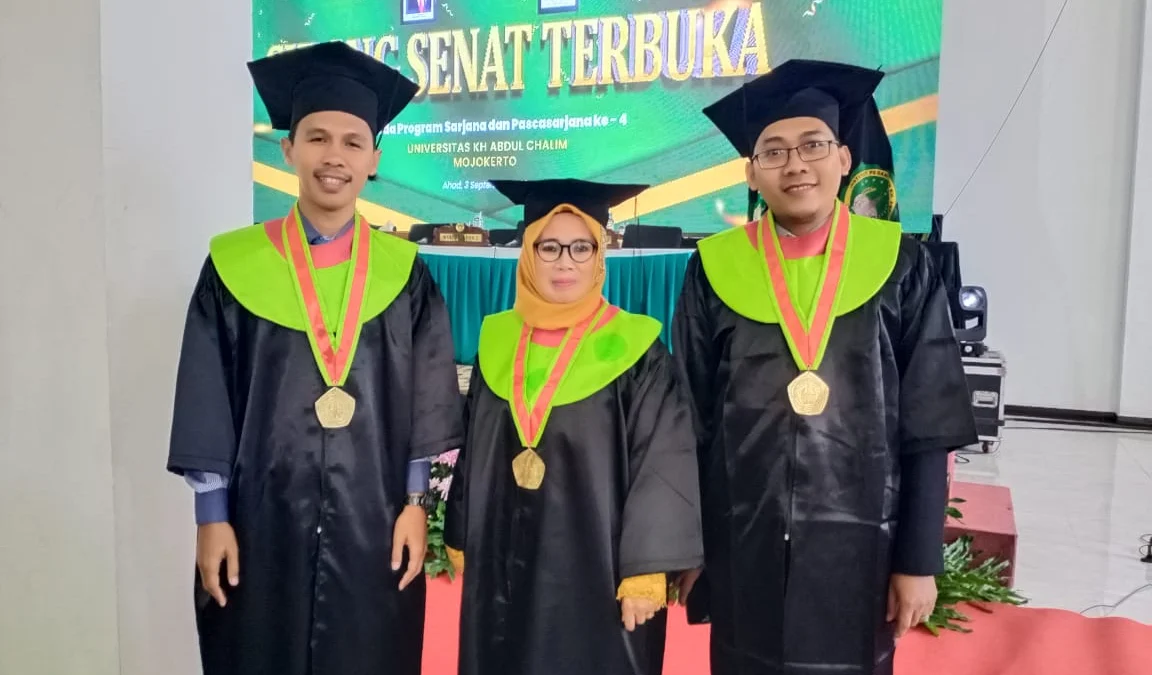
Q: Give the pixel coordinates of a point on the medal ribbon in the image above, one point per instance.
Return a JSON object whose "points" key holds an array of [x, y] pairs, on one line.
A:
{"points": [[531, 416], [334, 360], [806, 342]]}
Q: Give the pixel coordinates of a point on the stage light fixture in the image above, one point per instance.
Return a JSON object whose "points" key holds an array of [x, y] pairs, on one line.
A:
{"points": [[974, 319]]}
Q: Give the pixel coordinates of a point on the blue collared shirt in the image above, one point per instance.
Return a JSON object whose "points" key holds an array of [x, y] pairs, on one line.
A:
{"points": [[212, 489]]}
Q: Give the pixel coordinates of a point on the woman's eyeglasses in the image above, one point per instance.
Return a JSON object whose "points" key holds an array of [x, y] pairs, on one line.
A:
{"points": [[579, 251]]}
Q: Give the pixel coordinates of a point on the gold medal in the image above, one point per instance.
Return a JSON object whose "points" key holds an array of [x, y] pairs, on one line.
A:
{"points": [[528, 469], [808, 394], [335, 408]]}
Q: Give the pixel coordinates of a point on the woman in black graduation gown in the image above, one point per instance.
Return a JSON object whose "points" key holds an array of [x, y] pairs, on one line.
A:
{"points": [[571, 516]]}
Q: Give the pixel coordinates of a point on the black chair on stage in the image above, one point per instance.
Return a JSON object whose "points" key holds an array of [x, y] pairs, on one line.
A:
{"points": [[652, 236], [505, 236], [422, 233]]}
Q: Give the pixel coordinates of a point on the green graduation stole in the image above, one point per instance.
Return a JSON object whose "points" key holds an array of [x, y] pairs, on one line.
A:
{"points": [[258, 275], [858, 260], [587, 361], [268, 268]]}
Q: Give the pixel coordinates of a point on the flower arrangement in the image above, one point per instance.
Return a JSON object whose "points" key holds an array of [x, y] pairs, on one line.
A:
{"points": [[436, 560]]}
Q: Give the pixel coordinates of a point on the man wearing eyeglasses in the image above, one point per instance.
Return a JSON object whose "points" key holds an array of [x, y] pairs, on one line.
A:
{"points": [[828, 389]]}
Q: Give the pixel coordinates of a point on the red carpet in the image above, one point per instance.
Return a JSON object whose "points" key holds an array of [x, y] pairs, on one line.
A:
{"points": [[1008, 641]]}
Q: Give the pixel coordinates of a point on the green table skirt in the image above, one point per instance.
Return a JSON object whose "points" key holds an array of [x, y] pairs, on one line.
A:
{"points": [[476, 286]]}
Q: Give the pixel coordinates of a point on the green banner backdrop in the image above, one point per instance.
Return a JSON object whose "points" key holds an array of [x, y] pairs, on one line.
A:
{"points": [[598, 90]]}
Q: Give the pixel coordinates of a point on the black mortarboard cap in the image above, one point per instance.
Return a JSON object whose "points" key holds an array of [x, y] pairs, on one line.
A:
{"points": [[540, 197], [330, 76], [831, 92]]}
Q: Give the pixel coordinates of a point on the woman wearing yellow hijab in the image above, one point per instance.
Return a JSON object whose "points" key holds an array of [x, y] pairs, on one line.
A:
{"points": [[576, 492]]}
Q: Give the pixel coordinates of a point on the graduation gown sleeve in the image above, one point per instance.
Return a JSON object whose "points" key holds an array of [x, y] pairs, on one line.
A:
{"points": [[919, 547], [455, 517], [203, 428], [436, 420], [935, 416], [661, 521], [698, 359], [696, 355], [935, 405]]}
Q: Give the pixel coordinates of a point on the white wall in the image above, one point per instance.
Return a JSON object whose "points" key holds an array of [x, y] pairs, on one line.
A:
{"points": [[57, 561], [115, 169], [1044, 224], [1136, 380], [177, 169]]}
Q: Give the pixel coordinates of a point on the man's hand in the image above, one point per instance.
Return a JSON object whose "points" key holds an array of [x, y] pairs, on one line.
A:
{"points": [[686, 582], [215, 544], [411, 532], [910, 601], [636, 611]]}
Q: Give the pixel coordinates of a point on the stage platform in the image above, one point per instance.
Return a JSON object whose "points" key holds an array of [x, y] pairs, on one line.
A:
{"points": [[989, 520], [1005, 641]]}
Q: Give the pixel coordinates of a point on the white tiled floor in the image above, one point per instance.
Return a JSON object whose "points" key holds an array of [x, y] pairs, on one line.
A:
{"points": [[1082, 498]]}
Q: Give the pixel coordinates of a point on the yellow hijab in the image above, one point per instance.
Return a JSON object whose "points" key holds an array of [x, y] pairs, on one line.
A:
{"points": [[530, 303]]}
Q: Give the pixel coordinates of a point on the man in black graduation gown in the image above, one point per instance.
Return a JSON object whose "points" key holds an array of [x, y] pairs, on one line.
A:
{"points": [[315, 378], [829, 390]]}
